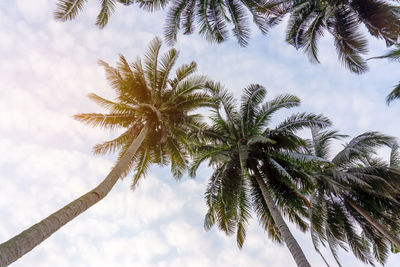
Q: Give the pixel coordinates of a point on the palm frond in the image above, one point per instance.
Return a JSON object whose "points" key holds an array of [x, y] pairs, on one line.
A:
{"points": [[189, 84], [349, 42], [393, 54], [303, 120], [173, 20], [394, 157], [264, 216], [107, 8], [362, 145], [68, 9], [312, 35], [152, 5], [259, 14], [240, 21], [298, 23], [108, 121], [114, 107], [379, 18], [260, 139], [395, 94], [213, 20], [270, 107], [321, 141], [142, 165], [177, 156], [182, 73], [244, 208], [151, 63], [167, 62], [116, 144], [252, 97], [189, 17]]}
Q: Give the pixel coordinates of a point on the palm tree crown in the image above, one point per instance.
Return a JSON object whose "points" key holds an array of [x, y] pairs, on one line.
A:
{"points": [[354, 183], [147, 97], [242, 148]]}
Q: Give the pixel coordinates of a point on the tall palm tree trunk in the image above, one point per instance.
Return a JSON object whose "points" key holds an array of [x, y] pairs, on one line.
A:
{"points": [[378, 226], [287, 236], [24, 242]]}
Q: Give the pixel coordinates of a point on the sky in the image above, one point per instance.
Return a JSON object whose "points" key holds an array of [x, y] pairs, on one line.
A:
{"points": [[46, 70]]}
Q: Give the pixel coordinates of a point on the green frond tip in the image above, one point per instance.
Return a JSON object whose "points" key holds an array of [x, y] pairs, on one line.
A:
{"points": [[303, 120], [68, 9], [393, 54], [209, 220], [107, 8], [395, 94], [395, 156]]}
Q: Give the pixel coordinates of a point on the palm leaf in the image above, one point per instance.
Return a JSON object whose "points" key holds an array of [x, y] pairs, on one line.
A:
{"points": [[270, 107], [349, 42], [252, 97], [361, 145], [151, 63], [395, 157], [240, 21], [182, 73], [302, 120], [107, 8], [313, 33], [68, 9], [166, 64], [108, 121], [395, 94]]}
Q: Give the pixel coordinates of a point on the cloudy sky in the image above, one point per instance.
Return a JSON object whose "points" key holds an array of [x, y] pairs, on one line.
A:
{"points": [[46, 70]]}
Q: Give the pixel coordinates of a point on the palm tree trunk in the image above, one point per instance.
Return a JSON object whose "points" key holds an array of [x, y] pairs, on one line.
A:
{"points": [[378, 226], [24, 242], [287, 236]]}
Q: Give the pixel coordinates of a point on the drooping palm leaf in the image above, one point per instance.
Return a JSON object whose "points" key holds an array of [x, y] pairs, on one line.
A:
{"points": [[354, 177]]}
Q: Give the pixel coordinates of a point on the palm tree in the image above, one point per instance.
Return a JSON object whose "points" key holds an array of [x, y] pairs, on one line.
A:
{"points": [[255, 167], [156, 113], [355, 187], [394, 55], [308, 21]]}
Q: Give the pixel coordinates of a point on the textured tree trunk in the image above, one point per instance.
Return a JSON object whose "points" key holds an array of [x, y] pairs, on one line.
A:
{"points": [[378, 226], [24, 242], [287, 236]]}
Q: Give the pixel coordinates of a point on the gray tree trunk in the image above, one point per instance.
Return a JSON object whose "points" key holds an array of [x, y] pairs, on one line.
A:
{"points": [[378, 226], [287, 236], [24, 242]]}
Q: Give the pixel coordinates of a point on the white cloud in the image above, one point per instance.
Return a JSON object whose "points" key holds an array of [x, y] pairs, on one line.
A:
{"points": [[34, 11]]}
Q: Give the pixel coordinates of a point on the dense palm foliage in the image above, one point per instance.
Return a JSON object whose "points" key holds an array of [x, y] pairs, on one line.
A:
{"points": [[147, 97], [355, 190], [256, 167], [394, 55], [156, 113], [309, 20], [211, 17]]}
